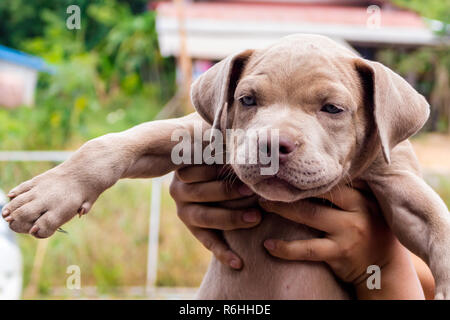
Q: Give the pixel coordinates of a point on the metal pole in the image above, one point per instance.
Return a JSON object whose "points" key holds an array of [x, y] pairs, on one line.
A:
{"points": [[54, 156], [153, 235]]}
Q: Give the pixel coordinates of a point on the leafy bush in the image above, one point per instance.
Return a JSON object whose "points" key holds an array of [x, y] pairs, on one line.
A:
{"points": [[101, 84]]}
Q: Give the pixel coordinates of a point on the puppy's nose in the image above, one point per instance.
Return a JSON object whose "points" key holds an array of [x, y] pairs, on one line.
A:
{"points": [[286, 146]]}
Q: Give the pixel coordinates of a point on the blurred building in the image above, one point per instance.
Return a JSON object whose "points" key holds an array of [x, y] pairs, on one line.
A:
{"points": [[18, 77], [215, 29]]}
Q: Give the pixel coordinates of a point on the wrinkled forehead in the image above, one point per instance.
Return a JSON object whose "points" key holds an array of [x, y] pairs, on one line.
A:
{"points": [[287, 57], [291, 65]]}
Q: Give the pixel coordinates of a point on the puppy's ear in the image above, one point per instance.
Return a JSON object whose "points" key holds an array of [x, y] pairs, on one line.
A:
{"points": [[399, 110], [213, 91]]}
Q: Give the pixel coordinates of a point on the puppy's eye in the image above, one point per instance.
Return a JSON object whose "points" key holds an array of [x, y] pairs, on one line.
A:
{"points": [[330, 108], [248, 101]]}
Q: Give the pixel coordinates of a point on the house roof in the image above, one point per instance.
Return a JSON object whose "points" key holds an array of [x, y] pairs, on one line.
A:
{"points": [[23, 59], [215, 29], [291, 12]]}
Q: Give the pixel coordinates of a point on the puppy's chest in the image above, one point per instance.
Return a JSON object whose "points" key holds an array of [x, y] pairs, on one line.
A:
{"points": [[248, 243], [266, 277]]}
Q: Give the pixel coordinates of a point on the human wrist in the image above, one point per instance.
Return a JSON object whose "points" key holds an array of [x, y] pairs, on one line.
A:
{"points": [[398, 278]]}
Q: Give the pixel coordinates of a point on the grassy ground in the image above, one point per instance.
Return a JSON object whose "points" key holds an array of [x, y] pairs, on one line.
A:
{"points": [[433, 152], [110, 243]]}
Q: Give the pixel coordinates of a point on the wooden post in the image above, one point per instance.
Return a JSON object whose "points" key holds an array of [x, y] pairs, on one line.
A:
{"points": [[184, 60], [33, 287]]}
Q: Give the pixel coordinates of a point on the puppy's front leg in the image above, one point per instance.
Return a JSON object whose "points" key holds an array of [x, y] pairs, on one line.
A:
{"points": [[420, 220], [41, 205]]}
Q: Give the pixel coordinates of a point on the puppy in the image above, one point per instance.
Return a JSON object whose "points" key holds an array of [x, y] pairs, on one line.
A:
{"points": [[340, 118]]}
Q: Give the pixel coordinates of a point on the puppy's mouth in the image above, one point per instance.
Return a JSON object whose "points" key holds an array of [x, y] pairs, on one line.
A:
{"points": [[277, 182], [276, 188]]}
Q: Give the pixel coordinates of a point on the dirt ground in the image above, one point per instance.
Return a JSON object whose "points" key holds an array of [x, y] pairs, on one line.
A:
{"points": [[433, 151]]}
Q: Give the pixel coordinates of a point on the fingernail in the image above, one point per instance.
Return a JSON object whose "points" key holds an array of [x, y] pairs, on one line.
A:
{"points": [[245, 190], [235, 264], [11, 194], [251, 216], [5, 213], [81, 212], [269, 244], [34, 229], [8, 219]]}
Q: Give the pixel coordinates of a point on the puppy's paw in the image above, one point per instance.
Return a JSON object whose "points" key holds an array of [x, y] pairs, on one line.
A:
{"points": [[41, 205]]}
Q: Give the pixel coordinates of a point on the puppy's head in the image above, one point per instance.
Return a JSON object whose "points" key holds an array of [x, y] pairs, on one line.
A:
{"points": [[332, 111]]}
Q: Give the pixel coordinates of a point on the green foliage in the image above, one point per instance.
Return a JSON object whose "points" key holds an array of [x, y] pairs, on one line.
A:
{"points": [[432, 9], [429, 70], [428, 67], [109, 75], [24, 19]]}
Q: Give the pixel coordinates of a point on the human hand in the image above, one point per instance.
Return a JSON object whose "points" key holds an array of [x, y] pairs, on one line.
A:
{"points": [[356, 236], [207, 202]]}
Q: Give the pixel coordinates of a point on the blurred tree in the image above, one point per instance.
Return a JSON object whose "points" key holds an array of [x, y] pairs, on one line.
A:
{"points": [[428, 67], [110, 65], [23, 19], [432, 9]]}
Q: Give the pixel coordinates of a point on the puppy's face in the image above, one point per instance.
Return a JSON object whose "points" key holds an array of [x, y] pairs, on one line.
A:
{"points": [[334, 112], [312, 103]]}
